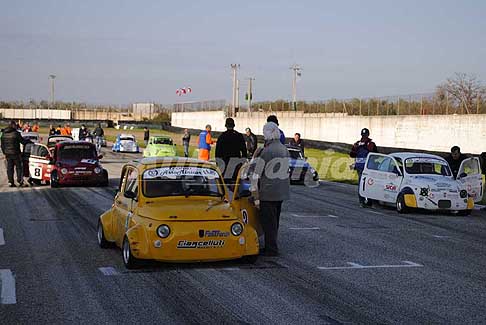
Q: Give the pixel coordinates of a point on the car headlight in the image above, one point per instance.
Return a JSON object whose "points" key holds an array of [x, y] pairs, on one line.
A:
{"points": [[236, 229], [463, 194], [64, 171], [97, 170], [163, 231]]}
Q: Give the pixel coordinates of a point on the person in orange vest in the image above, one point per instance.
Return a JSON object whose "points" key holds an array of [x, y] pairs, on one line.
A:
{"points": [[66, 130], [205, 142], [35, 127]]}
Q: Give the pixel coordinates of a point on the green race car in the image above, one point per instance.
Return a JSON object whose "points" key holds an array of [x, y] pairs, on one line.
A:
{"points": [[160, 146]]}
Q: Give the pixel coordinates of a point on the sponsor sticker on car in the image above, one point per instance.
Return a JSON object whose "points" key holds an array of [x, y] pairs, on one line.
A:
{"points": [[184, 244], [175, 172]]}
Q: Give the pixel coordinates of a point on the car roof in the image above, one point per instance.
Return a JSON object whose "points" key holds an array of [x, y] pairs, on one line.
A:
{"points": [[161, 136], [406, 155], [126, 135], [30, 133]]}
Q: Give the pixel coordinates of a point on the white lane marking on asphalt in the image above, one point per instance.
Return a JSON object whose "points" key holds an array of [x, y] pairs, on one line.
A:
{"points": [[359, 266], [312, 216], [108, 270], [375, 212], [2, 239], [440, 236], [305, 228], [7, 295]]}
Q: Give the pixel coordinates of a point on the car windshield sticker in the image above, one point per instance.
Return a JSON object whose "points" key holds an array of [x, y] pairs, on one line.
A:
{"points": [[76, 147], [174, 172], [410, 161], [89, 161]]}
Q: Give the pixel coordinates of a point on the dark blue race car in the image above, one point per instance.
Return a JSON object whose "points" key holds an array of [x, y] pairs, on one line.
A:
{"points": [[300, 170]]}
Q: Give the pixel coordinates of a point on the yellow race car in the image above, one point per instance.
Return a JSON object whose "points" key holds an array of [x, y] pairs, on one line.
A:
{"points": [[179, 210]]}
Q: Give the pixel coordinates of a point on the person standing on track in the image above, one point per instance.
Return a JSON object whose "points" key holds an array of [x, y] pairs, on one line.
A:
{"points": [[273, 185], [455, 159], [98, 134], [251, 141], [230, 152], [52, 130], [205, 142], [10, 144], [186, 140], [298, 142], [273, 118], [359, 152], [146, 135]]}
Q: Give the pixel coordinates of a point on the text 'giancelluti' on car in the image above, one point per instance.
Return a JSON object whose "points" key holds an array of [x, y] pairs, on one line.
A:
{"points": [[421, 181]]}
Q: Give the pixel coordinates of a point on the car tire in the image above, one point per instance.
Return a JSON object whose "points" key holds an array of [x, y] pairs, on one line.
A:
{"points": [[464, 213], [102, 242], [249, 259], [130, 261], [400, 204], [105, 181], [54, 180]]}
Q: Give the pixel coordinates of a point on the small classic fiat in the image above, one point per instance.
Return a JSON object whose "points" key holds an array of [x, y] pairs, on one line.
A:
{"points": [[178, 210]]}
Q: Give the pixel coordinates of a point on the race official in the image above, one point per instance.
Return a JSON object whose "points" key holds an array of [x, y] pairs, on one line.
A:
{"points": [[251, 141], [10, 144], [274, 185], [360, 151], [83, 132], [454, 159], [230, 149], [204, 144], [146, 136]]}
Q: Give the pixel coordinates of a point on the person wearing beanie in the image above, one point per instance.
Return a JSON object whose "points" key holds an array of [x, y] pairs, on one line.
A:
{"points": [[273, 119]]}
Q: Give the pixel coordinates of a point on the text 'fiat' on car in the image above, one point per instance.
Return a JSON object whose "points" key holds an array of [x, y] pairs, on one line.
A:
{"points": [[178, 210], [421, 181]]}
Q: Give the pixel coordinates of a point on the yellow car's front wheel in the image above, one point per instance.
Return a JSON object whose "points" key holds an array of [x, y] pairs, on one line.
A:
{"points": [[130, 261]]}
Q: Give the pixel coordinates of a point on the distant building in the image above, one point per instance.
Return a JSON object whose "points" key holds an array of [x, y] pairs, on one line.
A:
{"points": [[143, 110]]}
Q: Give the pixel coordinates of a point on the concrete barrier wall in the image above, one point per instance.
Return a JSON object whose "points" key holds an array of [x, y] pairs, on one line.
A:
{"points": [[35, 114], [429, 132]]}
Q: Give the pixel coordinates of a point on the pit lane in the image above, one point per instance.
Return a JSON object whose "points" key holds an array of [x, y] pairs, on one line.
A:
{"points": [[51, 252]]}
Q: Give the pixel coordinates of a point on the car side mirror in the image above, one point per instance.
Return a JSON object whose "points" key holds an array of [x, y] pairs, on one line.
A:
{"points": [[462, 175], [100, 156], [130, 195]]}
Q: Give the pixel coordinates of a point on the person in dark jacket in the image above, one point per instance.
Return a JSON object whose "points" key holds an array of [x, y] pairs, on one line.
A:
{"points": [[455, 159], [98, 133], [83, 132], [52, 130], [146, 136], [10, 144], [251, 142], [230, 152], [297, 142], [360, 151], [273, 118], [186, 140]]}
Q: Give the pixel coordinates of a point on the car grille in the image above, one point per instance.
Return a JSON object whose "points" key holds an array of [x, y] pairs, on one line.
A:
{"points": [[444, 204]]}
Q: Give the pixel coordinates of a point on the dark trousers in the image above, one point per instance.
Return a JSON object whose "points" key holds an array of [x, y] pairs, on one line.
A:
{"points": [[270, 220], [186, 150], [14, 161], [360, 174]]}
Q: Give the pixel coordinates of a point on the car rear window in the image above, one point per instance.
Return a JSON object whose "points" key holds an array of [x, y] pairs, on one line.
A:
{"points": [[162, 141], [181, 181]]}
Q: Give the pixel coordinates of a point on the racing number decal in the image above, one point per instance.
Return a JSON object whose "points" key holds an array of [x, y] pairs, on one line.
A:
{"points": [[37, 172], [244, 214]]}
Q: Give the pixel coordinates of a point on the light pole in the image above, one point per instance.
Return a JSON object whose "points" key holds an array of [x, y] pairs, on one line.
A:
{"points": [[249, 95], [297, 72], [234, 103], [52, 77]]}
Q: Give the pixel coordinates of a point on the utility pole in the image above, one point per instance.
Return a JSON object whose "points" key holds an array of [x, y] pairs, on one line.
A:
{"points": [[249, 95], [52, 77], [297, 71], [234, 102]]}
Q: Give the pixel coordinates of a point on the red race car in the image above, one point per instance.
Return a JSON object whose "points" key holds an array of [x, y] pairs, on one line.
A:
{"points": [[76, 163]]}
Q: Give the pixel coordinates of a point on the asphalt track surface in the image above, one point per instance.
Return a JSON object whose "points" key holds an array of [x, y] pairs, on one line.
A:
{"points": [[339, 263]]}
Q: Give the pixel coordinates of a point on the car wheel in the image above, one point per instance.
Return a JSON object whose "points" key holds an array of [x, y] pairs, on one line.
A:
{"points": [[249, 259], [101, 237], [464, 213], [129, 260], [54, 180], [401, 206]]}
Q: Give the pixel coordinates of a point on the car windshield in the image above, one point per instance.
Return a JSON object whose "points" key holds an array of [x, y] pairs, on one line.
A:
{"points": [[295, 154], [58, 139], [427, 166], [75, 153], [182, 181], [162, 141]]}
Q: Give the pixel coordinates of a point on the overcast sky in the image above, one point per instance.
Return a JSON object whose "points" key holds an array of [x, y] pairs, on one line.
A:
{"points": [[128, 51]]}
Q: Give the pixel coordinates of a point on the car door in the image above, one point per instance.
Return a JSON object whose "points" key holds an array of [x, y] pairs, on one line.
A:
{"points": [[381, 178], [124, 203], [244, 200], [39, 162], [470, 170]]}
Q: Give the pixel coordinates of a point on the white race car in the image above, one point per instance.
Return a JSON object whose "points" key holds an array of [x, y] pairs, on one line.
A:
{"points": [[416, 180], [125, 143]]}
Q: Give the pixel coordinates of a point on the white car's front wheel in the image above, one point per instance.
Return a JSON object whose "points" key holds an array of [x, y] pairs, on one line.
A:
{"points": [[401, 205]]}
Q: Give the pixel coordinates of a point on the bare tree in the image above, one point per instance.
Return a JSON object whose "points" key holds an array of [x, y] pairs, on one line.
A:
{"points": [[463, 89]]}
